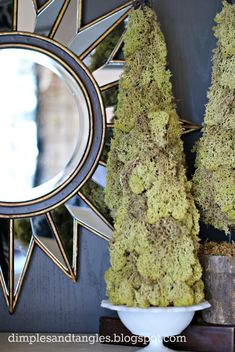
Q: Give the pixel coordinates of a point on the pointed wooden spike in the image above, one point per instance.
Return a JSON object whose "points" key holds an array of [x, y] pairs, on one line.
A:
{"points": [[189, 127]]}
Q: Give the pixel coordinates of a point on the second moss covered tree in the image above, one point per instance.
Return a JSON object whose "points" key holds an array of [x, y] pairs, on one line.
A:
{"points": [[154, 249], [214, 179]]}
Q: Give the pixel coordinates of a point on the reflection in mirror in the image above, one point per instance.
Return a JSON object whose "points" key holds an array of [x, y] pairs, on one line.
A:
{"points": [[119, 54], [6, 15], [110, 97], [23, 235], [109, 74], [4, 249], [45, 132], [64, 224], [89, 219], [84, 42], [94, 193], [99, 176], [108, 138], [110, 111], [41, 3], [43, 232], [102, 52]]}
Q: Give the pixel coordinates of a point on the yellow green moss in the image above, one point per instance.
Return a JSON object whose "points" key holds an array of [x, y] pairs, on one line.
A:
{"points": [[154, 248], [214, 179]]}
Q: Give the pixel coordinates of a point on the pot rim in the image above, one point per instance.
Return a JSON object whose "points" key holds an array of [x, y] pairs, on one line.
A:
{"points": [[204, 305], [218, 255]]}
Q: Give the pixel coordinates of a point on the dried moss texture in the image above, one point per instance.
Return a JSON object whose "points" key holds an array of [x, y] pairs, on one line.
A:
{"points": [[222, 248], [154, 249], [214, 180]]}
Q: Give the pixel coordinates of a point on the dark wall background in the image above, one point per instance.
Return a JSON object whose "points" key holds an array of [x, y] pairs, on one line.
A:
{"points": [[49, 301]]}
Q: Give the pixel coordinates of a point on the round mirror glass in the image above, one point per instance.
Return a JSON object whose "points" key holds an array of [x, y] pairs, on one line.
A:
{"points": [[44, 125]]}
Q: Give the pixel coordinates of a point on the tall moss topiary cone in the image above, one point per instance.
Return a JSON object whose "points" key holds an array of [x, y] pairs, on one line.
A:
{"points": [[214, 180], [154, 249]]}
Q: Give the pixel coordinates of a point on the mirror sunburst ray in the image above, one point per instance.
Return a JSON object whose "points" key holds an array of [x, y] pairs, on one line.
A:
{"points": [[108, 229], [49, 240], [19, 284], [17, 260], [29, 17]]}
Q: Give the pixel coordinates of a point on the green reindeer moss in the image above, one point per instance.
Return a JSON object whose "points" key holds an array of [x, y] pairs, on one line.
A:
{"points": [[154, 249], [214, 179]]}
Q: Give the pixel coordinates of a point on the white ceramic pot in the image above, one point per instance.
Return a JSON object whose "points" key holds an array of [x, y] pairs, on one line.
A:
{"points": [[156, 323]]}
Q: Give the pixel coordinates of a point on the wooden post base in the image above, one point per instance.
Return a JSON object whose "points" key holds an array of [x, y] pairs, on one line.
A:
{"points": [[199, 337]]}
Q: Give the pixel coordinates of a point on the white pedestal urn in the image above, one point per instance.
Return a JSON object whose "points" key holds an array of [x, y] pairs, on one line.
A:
{"points": [[156, 322]]}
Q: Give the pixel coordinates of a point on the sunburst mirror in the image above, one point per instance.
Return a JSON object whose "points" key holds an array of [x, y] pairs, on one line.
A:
{"points": [[55, 127]]}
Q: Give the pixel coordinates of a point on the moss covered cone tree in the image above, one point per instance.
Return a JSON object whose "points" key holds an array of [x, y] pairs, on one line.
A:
{"points": [[154, 249], [214, 180]]}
